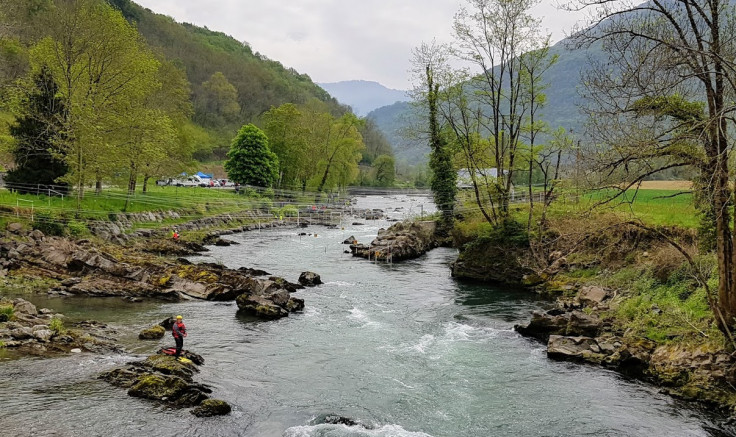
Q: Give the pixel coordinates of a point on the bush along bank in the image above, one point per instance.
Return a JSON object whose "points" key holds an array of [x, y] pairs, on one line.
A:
{"points": [[624, 298]]}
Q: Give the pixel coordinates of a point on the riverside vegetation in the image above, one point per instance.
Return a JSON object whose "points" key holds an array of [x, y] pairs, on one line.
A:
{"points": [[622, 295]]}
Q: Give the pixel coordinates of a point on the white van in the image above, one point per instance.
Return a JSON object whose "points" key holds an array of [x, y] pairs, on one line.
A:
{"points": [[190, 181]]}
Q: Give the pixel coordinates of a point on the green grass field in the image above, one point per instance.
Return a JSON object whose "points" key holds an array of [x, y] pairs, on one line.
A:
{"points": [[655, 207], [189, 202]]}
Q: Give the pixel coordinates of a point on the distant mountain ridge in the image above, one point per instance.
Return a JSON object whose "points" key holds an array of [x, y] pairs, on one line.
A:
{"points": [[562, 109], [364, 96]]}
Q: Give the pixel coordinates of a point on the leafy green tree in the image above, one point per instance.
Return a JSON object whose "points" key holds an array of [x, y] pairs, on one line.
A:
{"points": [[38, 160], [384, 170], [103, 69], [250, 161], [218, 102], [375, 141], [340, 151], [287, 139], [315, 148]]}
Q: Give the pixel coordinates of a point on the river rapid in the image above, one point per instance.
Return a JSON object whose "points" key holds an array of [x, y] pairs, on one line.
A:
{"points": [[403, 349]]}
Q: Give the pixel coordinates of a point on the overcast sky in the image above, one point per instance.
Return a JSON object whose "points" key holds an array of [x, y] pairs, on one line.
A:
{"points": [[336, 40]]}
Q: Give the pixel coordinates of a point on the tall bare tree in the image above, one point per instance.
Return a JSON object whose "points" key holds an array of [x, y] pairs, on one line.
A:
{"points": [[665, 99], [492, 109]]}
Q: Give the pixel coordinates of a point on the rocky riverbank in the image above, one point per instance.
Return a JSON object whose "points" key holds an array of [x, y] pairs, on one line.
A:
{"points": [[625, 299], [81, 268], [580, 329], [132, 269], [28, 330], [401, 241]]}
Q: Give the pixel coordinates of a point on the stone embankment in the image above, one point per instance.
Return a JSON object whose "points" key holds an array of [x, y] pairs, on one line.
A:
{"points": [[118, 227], [578, 330], [401, 241]]}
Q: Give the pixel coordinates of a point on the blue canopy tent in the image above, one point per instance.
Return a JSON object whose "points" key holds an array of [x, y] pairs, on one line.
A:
{"points": [[204, 175]]}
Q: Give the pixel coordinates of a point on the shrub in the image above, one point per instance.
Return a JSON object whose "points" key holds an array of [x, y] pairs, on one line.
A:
{"points": [[289, 211], [7, 311], [48, 224], [57, 326], [77, 229]]}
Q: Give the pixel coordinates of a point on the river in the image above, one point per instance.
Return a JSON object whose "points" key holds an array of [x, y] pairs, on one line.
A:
{"points": [[402, 348]]}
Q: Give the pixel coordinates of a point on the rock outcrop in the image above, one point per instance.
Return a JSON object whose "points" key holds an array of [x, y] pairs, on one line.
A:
{"points": [[556, 322], [212, 407], [28, 330], [165, 378], [310, 279], [80, 269], [403, 240], [153, 333], [574, 332], [491, 261]]}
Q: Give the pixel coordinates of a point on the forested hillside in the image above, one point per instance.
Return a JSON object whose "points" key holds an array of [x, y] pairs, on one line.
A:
{"points": [[100, 92], [399, 122], [216, 63]]}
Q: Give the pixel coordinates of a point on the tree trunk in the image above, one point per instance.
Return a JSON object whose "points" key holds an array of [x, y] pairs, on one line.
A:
{"points": [[145, 183], [131, 185]]}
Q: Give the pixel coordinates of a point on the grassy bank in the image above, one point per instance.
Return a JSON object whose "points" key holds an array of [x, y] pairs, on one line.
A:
{"points": [[657, 296], [189, 203]]}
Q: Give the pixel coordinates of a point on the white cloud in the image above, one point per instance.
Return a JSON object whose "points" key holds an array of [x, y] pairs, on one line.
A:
{"points": [[334, 40]]}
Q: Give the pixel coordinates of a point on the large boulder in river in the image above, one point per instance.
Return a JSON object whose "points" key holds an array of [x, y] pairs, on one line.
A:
{"points": [[574, 323], [158, 387], [212, 407], [403, 240], [309, 279], [288, 286], [574, 349], [162, 378], [153, 333], [260, 306]]}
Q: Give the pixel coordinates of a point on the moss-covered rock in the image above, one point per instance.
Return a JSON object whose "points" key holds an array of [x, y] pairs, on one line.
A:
{"points": [[295, 304], [212, 407], [260, 306], [170, 365], [125, 378], [158, 387], [155, 332]]}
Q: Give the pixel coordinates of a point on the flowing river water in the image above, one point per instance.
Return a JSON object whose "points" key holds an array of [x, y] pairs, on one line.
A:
{"points": [[404, 349]]}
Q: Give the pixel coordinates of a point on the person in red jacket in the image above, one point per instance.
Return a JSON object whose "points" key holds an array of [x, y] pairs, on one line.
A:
{"points": [[179, 331]]}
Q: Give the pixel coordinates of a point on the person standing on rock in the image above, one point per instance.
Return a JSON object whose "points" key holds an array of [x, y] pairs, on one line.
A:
{"points": [[179, 331]]}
